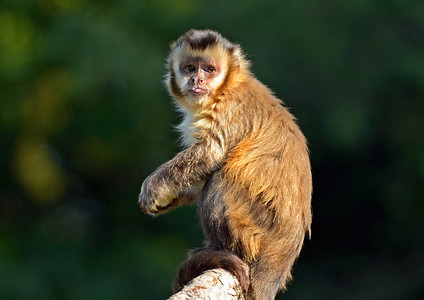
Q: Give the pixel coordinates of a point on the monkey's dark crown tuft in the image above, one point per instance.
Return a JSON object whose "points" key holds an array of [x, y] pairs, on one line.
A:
{"points": [[203, 39]]}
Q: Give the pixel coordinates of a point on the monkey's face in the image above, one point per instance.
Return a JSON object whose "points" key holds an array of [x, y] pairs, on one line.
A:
{"points": [[199, 76], [200, 66]]}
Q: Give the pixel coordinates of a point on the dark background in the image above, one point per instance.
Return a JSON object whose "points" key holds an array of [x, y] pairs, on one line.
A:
{"points": [[84, 118]]}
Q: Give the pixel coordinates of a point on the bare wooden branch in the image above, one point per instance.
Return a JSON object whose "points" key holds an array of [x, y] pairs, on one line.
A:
{"points": [[216, 284]]}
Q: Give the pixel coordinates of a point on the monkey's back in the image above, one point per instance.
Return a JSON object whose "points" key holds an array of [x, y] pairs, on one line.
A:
{"points": [[268, 180]]}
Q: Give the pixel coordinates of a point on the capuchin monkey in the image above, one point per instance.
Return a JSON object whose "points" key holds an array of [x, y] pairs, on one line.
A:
{"points": [[245, 161]]}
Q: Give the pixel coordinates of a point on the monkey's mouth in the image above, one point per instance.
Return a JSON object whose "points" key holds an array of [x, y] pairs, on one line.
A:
{"points": [[198, 91]]}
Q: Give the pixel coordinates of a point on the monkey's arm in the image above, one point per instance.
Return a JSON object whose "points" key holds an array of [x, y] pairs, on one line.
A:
{"points": [[180, 180]]}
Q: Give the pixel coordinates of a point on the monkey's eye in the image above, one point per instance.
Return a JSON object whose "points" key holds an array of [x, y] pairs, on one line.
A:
{"points": [[210, 69], [190, 68]]}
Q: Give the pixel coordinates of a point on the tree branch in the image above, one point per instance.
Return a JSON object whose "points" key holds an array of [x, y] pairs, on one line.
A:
{"points": [[212, 284]]}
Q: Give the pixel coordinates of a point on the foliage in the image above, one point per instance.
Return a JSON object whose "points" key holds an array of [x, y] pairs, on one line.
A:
{"points": [[84, 118]]}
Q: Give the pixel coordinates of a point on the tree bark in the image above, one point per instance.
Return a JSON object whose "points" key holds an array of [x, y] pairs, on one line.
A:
{"points": [[215, 284]]}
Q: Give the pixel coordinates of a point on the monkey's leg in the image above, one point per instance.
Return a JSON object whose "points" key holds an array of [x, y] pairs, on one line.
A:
{"points": [[211, 210], [267, 276], [247, 228]]}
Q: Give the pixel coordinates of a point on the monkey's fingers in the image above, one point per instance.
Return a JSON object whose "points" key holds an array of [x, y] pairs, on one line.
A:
{"points": [[152, 207], [162, 208]]}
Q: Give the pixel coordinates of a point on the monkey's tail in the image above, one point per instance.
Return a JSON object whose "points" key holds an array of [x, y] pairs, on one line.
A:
{"points": [[203, 259]]}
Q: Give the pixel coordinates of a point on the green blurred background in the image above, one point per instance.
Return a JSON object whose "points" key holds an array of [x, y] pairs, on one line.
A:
{"points": [[84, 118]]}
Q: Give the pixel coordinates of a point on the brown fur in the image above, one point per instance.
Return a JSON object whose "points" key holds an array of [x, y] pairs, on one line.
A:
{"points": [[247, 161], [204, 259]]}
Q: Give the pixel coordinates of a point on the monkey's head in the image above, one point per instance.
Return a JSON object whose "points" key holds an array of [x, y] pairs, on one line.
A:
{"points": [[201, 65]]}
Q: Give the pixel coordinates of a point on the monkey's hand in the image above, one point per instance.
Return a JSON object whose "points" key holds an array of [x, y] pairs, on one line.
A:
{"points": [[155, 196]]}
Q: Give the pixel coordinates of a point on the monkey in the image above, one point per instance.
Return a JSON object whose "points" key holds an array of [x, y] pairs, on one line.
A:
{"points": [[245, 161]]}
